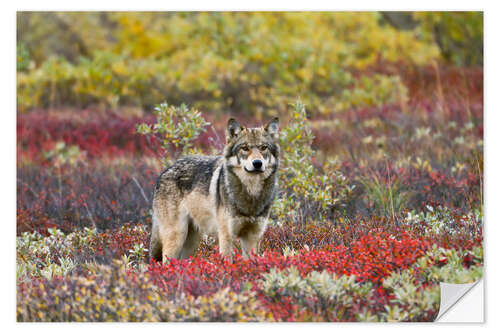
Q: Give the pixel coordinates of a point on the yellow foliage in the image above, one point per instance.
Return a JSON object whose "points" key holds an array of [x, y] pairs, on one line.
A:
{"points": [[238, 61]]}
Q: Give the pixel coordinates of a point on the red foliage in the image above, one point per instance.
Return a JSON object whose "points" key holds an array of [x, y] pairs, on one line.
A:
{"points": [[95, 133], [371, 258]]}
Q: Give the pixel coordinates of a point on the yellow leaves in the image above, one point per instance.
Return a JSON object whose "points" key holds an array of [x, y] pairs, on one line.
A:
{"points": [[204, 57], [305, 74], [422, 164], [119, 67], [137, 27], [322, 71]]}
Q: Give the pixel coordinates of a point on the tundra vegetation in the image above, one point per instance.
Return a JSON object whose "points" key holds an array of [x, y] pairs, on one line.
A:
{"points": [[381, 176]]}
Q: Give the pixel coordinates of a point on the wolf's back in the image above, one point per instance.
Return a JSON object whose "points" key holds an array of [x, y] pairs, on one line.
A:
{"points": [[187, 174]]}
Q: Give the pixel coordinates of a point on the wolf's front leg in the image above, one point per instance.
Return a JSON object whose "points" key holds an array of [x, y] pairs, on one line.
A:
{"points": [[250, 236], [225, 236], [249, 244]]}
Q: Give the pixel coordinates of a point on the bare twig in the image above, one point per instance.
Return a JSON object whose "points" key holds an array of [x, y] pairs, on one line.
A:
{"points": [[140, 188]]}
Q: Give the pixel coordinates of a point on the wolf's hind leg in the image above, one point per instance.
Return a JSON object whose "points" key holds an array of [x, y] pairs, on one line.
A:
{"points": [[173, 232], [192, 241], [155, 246]]}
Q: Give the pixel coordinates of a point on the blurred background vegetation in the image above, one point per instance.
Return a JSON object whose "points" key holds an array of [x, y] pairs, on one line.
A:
{"points": [[238, 62]]}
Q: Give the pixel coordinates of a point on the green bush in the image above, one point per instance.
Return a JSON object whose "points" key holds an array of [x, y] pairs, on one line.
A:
{"points": [[177, 128], [334, 297], [305, 189], [22, 58]]}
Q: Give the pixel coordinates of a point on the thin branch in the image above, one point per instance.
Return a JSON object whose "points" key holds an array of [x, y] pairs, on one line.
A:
{"points": [[140, 188]]}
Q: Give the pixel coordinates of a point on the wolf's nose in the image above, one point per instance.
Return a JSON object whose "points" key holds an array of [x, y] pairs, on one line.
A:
{"points": [[257, 164]]}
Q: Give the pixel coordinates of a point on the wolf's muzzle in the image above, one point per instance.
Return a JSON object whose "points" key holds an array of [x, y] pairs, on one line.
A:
{"points": [[257, 167]]}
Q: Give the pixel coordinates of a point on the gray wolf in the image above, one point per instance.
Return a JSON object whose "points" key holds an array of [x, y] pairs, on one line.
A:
{"points": [[228, 197]]}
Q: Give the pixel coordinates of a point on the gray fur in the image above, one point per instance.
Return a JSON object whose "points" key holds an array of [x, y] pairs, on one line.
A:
{"points": [[188, 173]]}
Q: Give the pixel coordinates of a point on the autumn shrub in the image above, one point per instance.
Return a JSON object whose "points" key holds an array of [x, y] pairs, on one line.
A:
{"points": [[109, 155], [243, 62], [58, 253]]}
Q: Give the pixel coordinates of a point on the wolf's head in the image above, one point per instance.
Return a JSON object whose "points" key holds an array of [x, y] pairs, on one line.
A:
{"points": [[252, 151]]}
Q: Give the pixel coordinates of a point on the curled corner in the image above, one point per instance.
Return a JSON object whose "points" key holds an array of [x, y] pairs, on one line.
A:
{"points": [[451, 294]]}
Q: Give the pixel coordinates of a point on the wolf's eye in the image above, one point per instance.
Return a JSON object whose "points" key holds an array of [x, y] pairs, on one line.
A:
{"points": [[244, 148], [262, 147]]}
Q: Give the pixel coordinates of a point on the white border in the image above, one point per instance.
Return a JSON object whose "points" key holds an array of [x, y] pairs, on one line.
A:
{"points": [[254, 5], [492, 109]]}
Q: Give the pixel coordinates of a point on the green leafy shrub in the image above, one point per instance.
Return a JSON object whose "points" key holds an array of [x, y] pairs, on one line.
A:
{"points": [[334, 296], [177, 128], [47, 257], [22, 58], [304, 188], [62, 155], [410, 302], [455, 266], [59, 254]]}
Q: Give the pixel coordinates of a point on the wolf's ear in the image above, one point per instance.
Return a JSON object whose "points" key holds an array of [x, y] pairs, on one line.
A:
{"points": [[233, 129], [272, 127]]}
